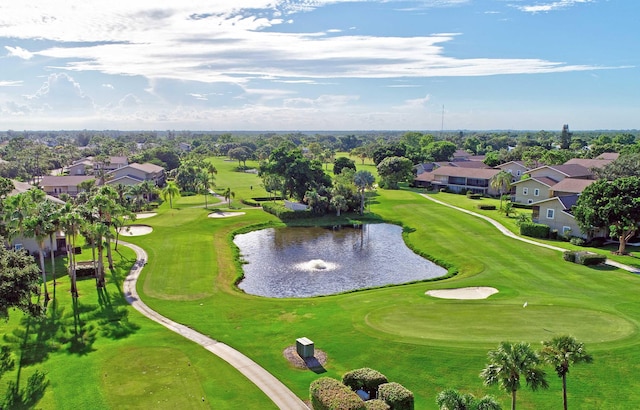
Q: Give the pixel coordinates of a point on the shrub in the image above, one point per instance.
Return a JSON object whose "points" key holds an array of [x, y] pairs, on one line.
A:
{"points": [[487, 207], [577, 241], [284, 213], [250, 202], [366, 379], [474, 196], [329, 394], [569, 256], [589, 259], [376, 404], [553, 234], [444, 190], [396, 396], [534, 230]]}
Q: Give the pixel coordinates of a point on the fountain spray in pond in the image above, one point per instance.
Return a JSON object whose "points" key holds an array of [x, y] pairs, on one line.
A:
{"points": [[316, 265]]}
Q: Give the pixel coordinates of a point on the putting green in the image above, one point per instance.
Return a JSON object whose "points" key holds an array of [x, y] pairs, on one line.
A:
{"points": [[492, 323]]}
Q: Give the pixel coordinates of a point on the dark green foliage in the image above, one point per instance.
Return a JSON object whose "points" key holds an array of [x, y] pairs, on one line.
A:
{"points": [[522, 206], [393, 170], [577, 241], [487, 207], [396, 396], [569, 256], [343, 162], [534, 230], [366, 379], [284, 213], [376, 404], [589, 259], [474, 196], [329, 394], [250, 202], [19, 278]]}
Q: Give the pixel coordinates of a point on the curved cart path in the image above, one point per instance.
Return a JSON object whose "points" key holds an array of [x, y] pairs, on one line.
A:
{"points": [[507, 232], [272, 387]]}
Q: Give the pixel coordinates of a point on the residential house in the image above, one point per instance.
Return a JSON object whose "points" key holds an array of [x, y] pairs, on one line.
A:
{"points": [[135, 173], [556, 213], [541, 179], [459, 179], [569, 186], [68, 184], [87, 166], [516, 168], [82, 167]]}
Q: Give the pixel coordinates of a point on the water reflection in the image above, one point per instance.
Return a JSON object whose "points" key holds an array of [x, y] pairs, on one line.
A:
{"points": [[304, 262]]}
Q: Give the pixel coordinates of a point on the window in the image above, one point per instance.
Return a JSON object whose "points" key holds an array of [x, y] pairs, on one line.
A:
{"points": [[566, 229], [525, 191], [518, 172], [550, 213], [536, 192], [529, 201]]}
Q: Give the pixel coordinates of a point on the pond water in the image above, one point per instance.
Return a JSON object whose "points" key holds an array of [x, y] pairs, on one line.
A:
{"points": [[304, 262]]}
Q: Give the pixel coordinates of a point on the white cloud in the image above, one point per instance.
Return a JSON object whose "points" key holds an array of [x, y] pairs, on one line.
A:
{"points": [[109, 86], [19, 52], [10, 83], [551, 6], [227, 42], [60, 92]]}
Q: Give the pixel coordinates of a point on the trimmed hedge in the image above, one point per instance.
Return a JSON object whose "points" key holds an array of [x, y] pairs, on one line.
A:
{"points": [[284, 213], [396, 396], [366, 379], [577, 241], [376, 404], [329, 394], [589, 259], [487, 207], [534, 230], [250, 202], [584, 258]]}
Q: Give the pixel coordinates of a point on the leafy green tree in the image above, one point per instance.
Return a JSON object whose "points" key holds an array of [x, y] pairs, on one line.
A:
{"points": [[451, 399], [439, 151], [360, 152], [508, 364], [393, 170], [501, 182], [565, 137], [363, 180], [388, 150], [341, 163], [561, 352], [240, 154], [170, 191], [627, 165], [613, 205], [19, 277]]}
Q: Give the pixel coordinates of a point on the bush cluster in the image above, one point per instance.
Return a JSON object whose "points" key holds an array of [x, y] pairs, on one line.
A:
{"points": [[284, 213], [487, 207], [577, 241], [329, 394], [534, 230], [471, 195], [584, 258], [366, 379], [396, 396]]}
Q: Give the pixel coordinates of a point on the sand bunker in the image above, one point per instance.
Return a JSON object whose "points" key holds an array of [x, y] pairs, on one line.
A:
{"points": [[146, 215], [224, 214], [478, 292], [135, 230]]}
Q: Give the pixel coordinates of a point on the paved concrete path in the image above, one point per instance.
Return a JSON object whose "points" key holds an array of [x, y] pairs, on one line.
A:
{"points": [[272, 387], [507, 232]]}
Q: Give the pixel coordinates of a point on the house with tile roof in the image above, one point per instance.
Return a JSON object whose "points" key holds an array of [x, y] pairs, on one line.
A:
{"points": [[135, 173], [66, 184]]}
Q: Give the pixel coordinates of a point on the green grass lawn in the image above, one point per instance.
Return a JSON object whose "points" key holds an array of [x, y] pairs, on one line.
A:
{"points": [[424, 343]]}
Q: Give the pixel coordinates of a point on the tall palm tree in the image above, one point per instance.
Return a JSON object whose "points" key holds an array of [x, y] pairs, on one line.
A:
{"points": [[501, 182], [451, 399], [508, 363], [561, 352], [36, 226], [71, 220], [228, 193], [363, 180], [204, 183], [52, 211], [170, 191]]}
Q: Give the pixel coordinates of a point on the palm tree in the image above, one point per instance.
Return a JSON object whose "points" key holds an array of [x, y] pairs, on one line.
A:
{"points": [[508, 363], [363, 180], [560, 352], [71, 221], [170, 190], [36, 225], [501, 182], [228, 193], [451, 399], [204, 183], [52, 212]]}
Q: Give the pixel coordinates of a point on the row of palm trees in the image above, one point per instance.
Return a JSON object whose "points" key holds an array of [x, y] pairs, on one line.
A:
{"points": [[96, 215], [510, 364]]}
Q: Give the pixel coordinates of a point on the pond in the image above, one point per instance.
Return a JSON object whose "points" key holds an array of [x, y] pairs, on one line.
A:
{"points": [[305, 262]]}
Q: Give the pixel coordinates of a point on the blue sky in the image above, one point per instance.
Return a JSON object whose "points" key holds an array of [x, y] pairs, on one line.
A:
{"points": [[319, 64]]}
